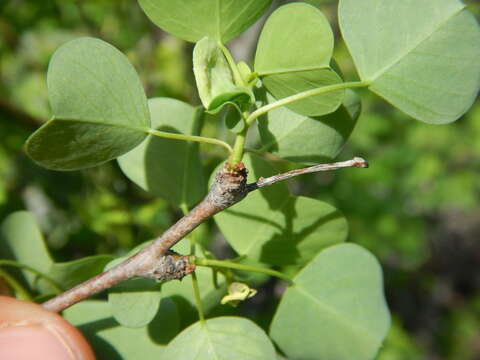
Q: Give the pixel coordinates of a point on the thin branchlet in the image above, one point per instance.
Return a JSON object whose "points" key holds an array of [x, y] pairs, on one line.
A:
{"points": [[262, 182], [156, 260]]}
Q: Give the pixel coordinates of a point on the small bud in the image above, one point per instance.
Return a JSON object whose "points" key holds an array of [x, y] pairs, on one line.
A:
{"points": [[237, 292]]}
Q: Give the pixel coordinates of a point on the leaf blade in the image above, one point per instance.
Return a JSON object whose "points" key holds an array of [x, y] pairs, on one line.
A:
{"points": [[309, 140], [338, 297], [278, 228], [99, 107], [222, 338], [406, 52], [191, 20]]}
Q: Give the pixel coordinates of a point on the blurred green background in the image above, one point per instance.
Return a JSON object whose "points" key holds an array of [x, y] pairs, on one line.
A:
{"points": [[417, 207]]}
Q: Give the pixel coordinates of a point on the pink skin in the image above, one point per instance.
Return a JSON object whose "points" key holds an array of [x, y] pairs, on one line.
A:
{"points": [[28, 331]]}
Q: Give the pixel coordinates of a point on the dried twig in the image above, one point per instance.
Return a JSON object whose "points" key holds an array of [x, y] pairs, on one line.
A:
{"points": [[262, 182]]}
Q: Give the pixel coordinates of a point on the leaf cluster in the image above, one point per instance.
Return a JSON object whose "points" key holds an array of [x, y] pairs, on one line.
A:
{"points": [[421, 59]]}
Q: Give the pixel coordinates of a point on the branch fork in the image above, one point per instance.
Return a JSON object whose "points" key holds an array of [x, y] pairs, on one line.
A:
{"points": [[157, 261]]}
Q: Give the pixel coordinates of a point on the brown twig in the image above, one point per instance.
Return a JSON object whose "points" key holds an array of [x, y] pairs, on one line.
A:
{"points": [[156, 261], [262, 182], [228, 188]]}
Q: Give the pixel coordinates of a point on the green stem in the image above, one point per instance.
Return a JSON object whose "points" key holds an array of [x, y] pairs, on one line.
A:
{"points": [[196, 289], [239, 147], [169, 135], [232, 265], [19, 290], [57, 288], [198, 298], [303, 95], [233, 66]]}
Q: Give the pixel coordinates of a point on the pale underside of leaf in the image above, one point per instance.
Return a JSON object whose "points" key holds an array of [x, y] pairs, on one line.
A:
{"points": [[223, 338], [191, 20], [339, 298], [420, 55]]}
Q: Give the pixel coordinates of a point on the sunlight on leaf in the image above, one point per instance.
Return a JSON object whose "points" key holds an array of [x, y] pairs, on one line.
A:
{"points": [[294, 54], [422, 57]]}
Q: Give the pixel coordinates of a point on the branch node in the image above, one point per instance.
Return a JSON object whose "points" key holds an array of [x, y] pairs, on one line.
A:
{"points": [[229, 186], [170, 267]]}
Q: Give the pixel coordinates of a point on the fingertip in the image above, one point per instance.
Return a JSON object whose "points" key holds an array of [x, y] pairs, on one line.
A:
{"points": [[28, 331]]}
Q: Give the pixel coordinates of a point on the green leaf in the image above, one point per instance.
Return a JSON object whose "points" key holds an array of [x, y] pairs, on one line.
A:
{"points": [[134, 302], [222, 338], [23, 242], [293, 55], [164, 167], [99, 108], [115, 342], [287, 84], [278, 228], [306, 139], [191, 20], [295, 37], [420, 56], [71, 273], [338, 299], [214, 78]]}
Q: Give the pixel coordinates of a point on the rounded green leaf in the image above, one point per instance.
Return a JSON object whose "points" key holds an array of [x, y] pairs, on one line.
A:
{"points": [[306, 139], [296, 37], [135, 302], [293, 55], [191, 20], [99, 107], [112, 341], [221, 338], [421, 56], [278, 228], [336, 308], [164, 167]]}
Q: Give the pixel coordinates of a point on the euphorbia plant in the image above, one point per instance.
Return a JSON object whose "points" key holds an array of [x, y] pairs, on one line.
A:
{"points": [[421, 57]]}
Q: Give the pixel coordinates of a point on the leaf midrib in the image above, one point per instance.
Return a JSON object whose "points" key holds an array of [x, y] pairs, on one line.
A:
{"points": [[347, 322]]}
